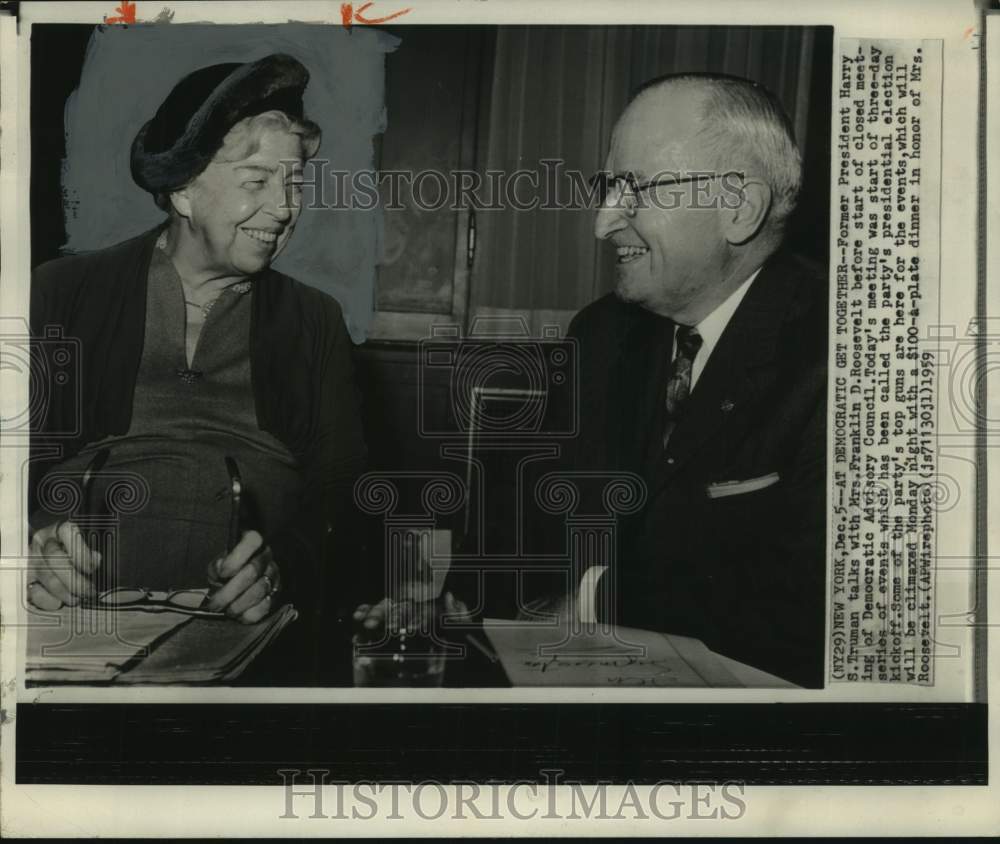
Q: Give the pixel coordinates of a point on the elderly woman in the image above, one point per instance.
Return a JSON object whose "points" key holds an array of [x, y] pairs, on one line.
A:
{"points": [[204, 372]]}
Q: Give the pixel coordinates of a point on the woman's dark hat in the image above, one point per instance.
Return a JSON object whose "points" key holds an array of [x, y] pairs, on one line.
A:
{"points": [[187, 130]]}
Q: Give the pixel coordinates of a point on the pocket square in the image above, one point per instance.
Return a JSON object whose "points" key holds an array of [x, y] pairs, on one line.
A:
{"points": [[726, 488]]}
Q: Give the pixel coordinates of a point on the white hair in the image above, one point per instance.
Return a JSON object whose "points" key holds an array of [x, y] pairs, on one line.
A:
{"points": [[243, 139]]}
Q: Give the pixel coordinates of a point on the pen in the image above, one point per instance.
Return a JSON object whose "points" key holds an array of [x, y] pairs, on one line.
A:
{"points": [[93, 538], [233, 532], [236, 488], [479, 646], [87, 484]]}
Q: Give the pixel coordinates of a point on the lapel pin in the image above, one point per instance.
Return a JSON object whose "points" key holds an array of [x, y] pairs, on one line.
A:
{"points": [[726, 405]]}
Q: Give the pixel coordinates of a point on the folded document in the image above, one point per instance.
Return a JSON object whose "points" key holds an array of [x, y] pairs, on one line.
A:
{"points": [[595, 655], [99, 646], [575, 649]]}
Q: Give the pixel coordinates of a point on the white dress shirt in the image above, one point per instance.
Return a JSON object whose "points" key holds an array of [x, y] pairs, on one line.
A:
{"points": [[712, 326]]}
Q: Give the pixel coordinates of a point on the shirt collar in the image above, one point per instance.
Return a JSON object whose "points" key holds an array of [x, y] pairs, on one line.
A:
{"points": [[712, 326]]}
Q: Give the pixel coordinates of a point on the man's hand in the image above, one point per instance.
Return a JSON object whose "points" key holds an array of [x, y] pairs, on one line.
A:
{"points": [[245, 582], [373, 619], [61, 567], [563, 607]]}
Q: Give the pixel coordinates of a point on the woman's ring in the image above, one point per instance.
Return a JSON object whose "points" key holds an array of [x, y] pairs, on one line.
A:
{"points": [[271, 588]]}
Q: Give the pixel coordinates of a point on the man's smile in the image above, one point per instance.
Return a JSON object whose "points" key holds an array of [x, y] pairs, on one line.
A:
{"points": [[628, 253]]}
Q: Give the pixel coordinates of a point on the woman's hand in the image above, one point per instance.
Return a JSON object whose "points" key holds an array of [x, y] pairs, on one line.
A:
{"points": [[245, 583], [61, 567]]}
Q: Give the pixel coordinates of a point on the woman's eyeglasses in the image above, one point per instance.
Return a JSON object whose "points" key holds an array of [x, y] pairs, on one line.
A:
{"points": [[125, 598]]}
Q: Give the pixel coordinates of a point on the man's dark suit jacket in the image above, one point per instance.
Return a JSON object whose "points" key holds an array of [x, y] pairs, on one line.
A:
{"points": [[745, 572]]}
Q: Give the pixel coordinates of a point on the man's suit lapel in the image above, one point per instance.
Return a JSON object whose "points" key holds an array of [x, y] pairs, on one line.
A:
{"points": [[741, 370], [640, 370]]}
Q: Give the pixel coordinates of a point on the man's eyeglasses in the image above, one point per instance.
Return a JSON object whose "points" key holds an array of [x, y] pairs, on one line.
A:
{"points": [[626, 189], [131, 598]]}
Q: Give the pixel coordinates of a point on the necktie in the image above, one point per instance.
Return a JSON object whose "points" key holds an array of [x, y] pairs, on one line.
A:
{"points": [[679, 383]]}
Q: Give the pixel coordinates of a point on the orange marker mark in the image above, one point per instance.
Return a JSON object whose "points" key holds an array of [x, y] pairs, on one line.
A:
{"points": [[358, 18], [349, 15], [126, 13]]}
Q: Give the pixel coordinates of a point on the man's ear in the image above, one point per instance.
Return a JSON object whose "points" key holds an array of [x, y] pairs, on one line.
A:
{"points": [[181, 202], [745, 210]]}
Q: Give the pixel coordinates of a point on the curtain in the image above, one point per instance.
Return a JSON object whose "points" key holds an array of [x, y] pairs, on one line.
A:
{"points": [[556, 94]]}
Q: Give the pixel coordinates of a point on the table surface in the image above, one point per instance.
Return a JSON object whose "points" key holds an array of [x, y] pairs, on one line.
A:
{"points": [[293, 661]]}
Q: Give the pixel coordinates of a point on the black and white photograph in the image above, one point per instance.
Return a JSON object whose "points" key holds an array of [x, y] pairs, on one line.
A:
{"points": [[224, 461], [429, 394]]}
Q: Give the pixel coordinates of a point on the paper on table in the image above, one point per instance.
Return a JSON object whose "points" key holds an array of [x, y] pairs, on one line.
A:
{"points": [[76, 645], [83, 645], [209, 650], [587, 653], [547, 655]]}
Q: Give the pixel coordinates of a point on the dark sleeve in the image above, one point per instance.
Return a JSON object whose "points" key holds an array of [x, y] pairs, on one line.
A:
{"points": [[320, 551], [38, 462], [53, 420]]}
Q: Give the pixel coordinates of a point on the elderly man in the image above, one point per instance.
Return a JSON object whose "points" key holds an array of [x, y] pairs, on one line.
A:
{"points": [[705, 373], [222, 388]]}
